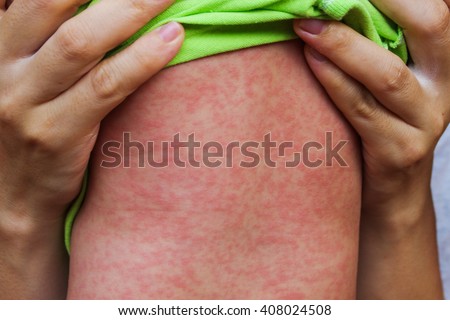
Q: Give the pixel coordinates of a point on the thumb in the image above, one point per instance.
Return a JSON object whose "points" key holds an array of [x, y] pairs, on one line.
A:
{"points": [[4, 4]]}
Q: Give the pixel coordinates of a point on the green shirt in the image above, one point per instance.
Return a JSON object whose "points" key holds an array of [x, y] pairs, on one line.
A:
{"points": [[216, 26]]}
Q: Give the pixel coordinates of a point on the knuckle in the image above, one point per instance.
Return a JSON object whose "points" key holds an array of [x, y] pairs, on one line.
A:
{"points": [[43, 5], [438, 26], [105, 84], [72, 43], [138, 9], [54, 5], [137, 5], [39, 140], [396, 78], [412, 148], [7, 117], [438, 126], [414, 153], [340, 40], [363, 104], [8, 111], [42, 133], [364, 110], [147, 61]]}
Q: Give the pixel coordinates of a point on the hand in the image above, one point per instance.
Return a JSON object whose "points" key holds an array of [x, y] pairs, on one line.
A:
{"points": [[55, 89], [399, 112]]}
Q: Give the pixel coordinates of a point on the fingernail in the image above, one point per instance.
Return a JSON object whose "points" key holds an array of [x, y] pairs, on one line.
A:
{"points": [[169, 32], [312, 26]]}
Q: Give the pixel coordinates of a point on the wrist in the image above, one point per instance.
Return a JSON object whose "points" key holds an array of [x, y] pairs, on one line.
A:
{"points": [[23, 228], [400, 215], [392, 194], [34, 262]]}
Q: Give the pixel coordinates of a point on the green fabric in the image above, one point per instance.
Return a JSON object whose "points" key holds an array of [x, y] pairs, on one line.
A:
{"points": [[216, 26], [73, 210]]}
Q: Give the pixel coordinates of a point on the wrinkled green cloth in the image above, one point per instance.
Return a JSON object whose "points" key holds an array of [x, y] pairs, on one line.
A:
{"points": [[216, 26]]}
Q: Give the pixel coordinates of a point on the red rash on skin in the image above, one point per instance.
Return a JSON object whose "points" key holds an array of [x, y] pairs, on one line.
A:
{"points": [[188, 233]]}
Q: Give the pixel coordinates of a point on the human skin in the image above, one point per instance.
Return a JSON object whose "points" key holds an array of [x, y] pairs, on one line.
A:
{"points": [[54, 91], [431, 32], [222, 233], [400, 112]]}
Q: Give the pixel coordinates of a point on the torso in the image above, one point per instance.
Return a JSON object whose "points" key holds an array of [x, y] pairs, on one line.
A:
{"points": [[222, 233]]}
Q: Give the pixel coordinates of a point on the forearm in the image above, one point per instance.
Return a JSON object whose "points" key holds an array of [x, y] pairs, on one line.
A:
{"points": [[398, 258], [33, 260]]}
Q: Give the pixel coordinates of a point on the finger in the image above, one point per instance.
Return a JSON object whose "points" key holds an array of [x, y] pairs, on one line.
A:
{"points": [[29, 24], [426, 25], [83, 106], [380, 71], [2, 7], [359, 107], [81, 42]]}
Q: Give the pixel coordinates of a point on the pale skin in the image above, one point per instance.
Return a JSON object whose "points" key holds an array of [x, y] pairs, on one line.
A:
{"points": [[390, 109]]}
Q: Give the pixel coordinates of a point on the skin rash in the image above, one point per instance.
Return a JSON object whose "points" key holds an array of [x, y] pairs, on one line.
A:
{"points": [[222, 233]]}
